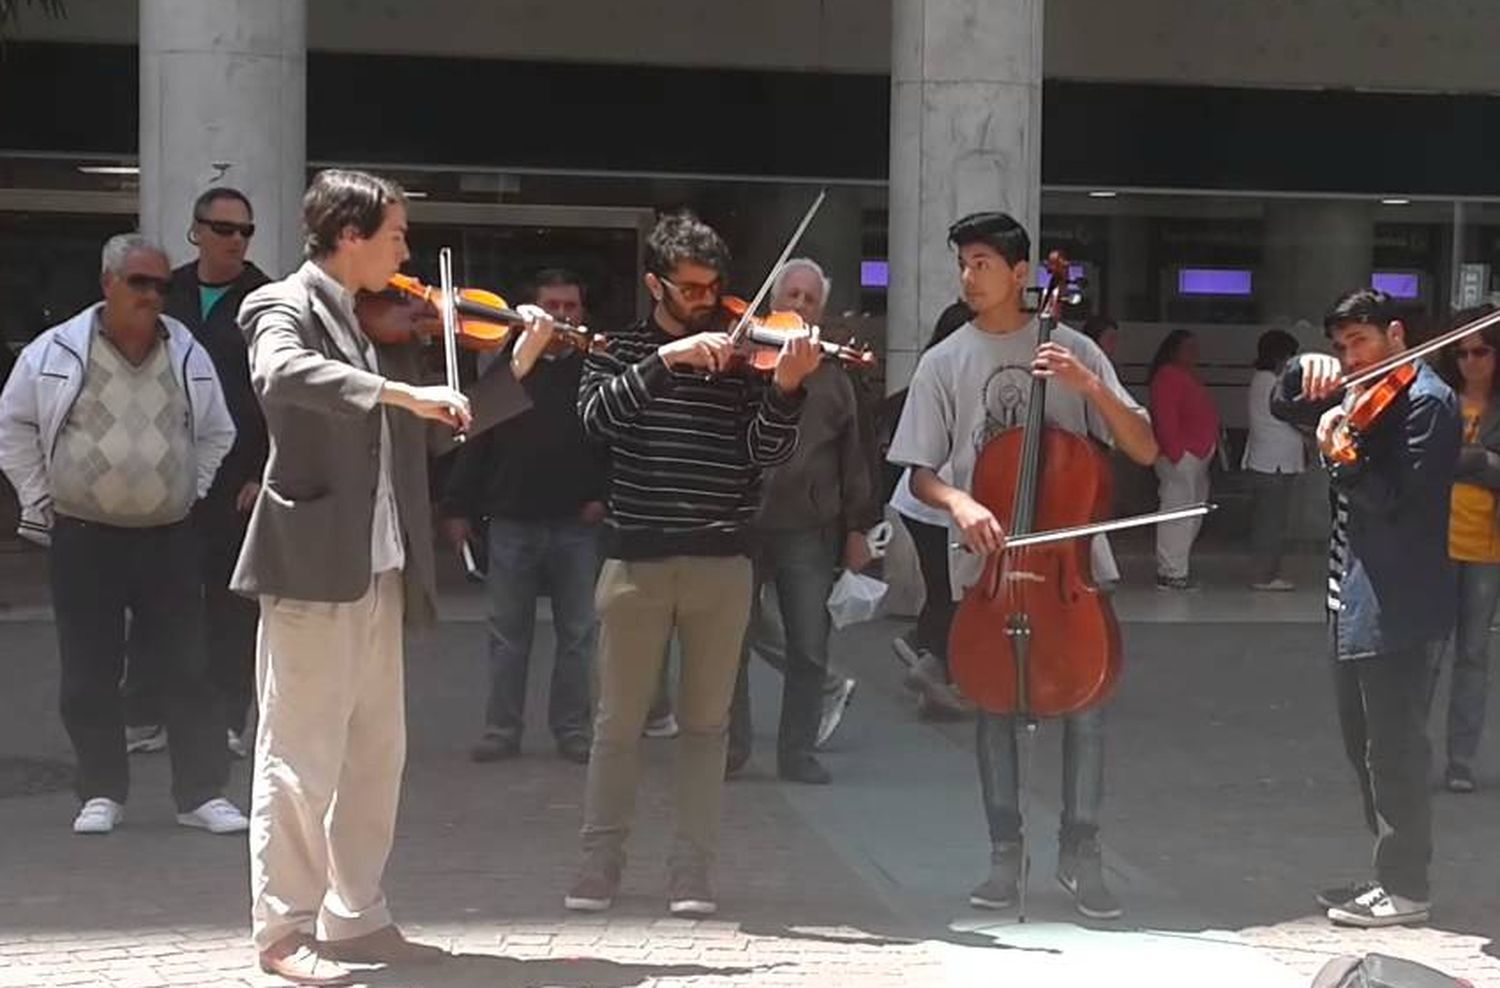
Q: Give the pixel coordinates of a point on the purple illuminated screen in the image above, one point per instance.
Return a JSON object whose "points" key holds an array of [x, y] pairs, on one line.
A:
{"points": [[1075, 273], [1397, 284], [874, 274], [1213, 281]]}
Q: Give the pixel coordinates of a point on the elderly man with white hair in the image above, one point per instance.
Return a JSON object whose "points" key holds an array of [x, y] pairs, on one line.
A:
{"points": [[815, 509], [111, 426]]}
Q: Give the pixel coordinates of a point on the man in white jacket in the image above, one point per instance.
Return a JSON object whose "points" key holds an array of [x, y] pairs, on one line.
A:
{"points": [[112, 425]]}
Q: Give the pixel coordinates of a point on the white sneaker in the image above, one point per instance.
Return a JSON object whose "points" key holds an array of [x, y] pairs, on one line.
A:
{"points": [[237, 746], [834, 705], [662, 727], [1277, 585], [98, 816], [217, 816], [145, 740]]}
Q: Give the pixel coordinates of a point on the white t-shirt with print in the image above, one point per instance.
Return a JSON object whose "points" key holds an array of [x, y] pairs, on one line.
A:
{"points": [[975, 385]]}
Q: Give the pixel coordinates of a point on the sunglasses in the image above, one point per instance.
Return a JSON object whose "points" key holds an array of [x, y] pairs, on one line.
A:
{"points": [[144, 283], [225, 228], [1475, 351], [694, 292]]}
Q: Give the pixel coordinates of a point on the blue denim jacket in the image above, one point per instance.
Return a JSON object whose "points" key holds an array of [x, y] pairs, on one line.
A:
{"points": [[1400, 589]]}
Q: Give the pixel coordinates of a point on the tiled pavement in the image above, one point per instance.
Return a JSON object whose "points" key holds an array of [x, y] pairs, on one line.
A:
{"points": [[1227, 803]]}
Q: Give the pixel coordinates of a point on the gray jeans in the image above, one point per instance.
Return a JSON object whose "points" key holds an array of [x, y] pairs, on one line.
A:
{"points": [[1478, 592], [1082, 781]]}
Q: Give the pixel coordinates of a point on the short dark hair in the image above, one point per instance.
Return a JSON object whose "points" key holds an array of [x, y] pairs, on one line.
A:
{"points": [[998, 230], [949, 322], [1274, 348], [551, 277], [1098, 324], [213, 195], [1363, 305], [682, 237], [339, 198]]}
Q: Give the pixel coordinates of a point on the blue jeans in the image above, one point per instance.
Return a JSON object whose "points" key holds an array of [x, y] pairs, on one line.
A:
{"points": [[1478, 591], [802, 566], [1082, 781], [526, 559]]}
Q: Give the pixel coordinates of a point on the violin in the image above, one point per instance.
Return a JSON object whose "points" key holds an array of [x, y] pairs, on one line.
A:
{"points": [[1374, 390], [1034, 637], [763, 337], [409, 311]]}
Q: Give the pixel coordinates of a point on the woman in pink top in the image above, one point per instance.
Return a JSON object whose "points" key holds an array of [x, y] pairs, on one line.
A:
{"points": [[1187, 429]]}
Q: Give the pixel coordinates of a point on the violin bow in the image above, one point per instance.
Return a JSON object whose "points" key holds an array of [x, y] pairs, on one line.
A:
{"points": [[736, 335], [449, 309]]}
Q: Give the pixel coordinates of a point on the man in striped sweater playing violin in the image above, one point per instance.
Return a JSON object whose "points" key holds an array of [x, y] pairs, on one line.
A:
{"points": [[689, 432]]}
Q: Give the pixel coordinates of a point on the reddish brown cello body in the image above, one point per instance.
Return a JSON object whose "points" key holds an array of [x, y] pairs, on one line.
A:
{"points": [[1034, 637]]}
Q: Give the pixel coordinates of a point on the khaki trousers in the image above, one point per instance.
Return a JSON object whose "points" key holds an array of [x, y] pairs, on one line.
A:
{"points": [[706, 600], [329, 751]]}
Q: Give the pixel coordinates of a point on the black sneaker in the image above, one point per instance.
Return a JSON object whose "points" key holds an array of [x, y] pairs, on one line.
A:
{"points": [[1342, 895], [1001, 889], [1080, 870], [575, 748], [803, 768], [494, 747], [1459, 778], [1181, 583], [1377, 908]]}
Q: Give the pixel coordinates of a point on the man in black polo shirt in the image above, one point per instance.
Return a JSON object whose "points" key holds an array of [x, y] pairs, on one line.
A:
{"points": [[540, 483]]}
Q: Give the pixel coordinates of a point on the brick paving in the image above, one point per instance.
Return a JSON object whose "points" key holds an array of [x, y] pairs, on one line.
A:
{"points": [[1227, 803]]}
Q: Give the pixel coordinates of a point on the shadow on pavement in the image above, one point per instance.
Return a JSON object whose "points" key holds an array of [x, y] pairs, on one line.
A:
{"points": [[471, 970]]}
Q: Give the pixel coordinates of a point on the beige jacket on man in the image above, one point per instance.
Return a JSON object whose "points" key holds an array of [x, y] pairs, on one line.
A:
{"points": [[309, 536]]}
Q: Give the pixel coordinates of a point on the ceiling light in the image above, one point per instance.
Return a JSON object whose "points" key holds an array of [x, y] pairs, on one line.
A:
{"points": [[1395, 202], [110, 169], [413, 194], [1103, 194]]}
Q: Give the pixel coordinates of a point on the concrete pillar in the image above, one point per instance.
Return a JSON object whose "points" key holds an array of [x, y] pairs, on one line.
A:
{"points": [[1315, 251], [966, 110], [224, 102]]}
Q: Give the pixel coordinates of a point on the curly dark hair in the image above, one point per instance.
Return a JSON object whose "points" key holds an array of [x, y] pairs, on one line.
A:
{"points": [[338, 199], [682, 237]]}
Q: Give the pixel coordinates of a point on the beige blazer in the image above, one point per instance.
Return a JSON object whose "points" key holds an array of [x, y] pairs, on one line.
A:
{"points": [[310, 530]]}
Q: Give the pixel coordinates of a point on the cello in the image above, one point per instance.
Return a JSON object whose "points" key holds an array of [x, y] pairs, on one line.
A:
{"points": [[1033, 636]]}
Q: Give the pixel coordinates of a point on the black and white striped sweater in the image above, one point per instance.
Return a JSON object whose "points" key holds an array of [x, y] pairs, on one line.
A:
{"points": [[686, 450]]}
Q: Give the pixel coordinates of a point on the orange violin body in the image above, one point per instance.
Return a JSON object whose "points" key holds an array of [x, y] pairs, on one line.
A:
{"points": [[1368, 407], [409, 311], [764, 336]]}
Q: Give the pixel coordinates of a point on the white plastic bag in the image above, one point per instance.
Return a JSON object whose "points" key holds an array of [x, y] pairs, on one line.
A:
{"points": [[855, 598]]}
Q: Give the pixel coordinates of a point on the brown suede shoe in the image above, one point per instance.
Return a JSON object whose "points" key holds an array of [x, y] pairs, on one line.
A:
{"points": [[385, 946], [297, 959]]}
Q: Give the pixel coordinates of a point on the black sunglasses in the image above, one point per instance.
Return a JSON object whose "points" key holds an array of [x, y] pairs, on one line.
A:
{"points": [[148, 283], [225, 228]]}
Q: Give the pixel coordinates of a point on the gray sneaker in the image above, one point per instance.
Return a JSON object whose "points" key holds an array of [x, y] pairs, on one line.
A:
{"points": [[1080, 870], [597, 884], [689, 891], [1001, 889]]}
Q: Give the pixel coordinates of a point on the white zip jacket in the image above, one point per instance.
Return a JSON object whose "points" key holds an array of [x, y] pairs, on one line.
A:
{"points": [[47, 380]]}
